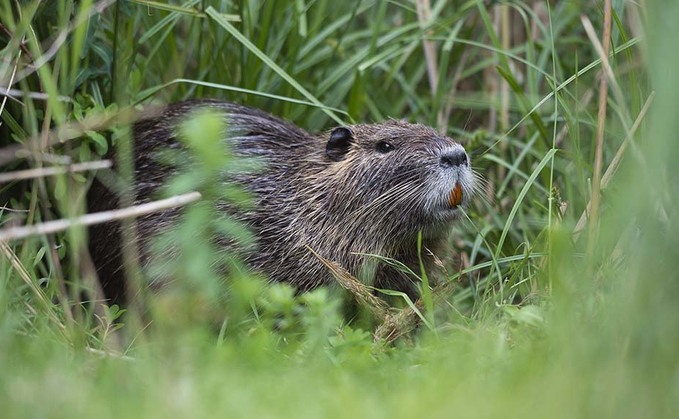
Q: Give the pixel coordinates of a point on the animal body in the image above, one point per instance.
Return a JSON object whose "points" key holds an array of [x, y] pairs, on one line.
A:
{"points": [[351, 191]]}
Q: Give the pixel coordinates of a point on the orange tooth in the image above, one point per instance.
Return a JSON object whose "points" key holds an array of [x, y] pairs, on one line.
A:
{"points": [[455, 197]]}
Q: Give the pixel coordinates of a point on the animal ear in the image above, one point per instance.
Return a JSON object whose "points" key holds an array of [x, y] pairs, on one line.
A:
{"points": [[339, 143]]}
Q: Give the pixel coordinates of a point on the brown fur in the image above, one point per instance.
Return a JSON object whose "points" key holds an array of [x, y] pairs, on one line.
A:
{"points": [[340, 198]]}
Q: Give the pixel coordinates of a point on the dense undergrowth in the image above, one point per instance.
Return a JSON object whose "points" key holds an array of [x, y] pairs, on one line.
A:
{"points": [[551, 313]]}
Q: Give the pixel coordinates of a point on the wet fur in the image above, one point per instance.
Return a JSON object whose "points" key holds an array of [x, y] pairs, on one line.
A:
{"points": [[367, 202]]}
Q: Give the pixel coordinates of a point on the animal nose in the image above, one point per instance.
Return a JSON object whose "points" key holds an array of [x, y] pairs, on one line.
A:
{"points": [[453, 158]]}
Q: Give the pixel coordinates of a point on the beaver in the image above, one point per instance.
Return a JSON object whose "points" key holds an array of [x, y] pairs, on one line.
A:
{"points": [[345, 193]]}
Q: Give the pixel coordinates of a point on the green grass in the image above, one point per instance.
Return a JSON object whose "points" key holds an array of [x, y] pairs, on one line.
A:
{"points": [[536, 325]]}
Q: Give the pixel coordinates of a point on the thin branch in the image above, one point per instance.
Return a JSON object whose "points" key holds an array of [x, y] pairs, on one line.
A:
{"points": [[52, 171], [598, 160], [16, 93], [15, 233]]}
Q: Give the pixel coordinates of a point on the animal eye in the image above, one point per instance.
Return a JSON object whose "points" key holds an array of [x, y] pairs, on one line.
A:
{"points": [[384, 147]]}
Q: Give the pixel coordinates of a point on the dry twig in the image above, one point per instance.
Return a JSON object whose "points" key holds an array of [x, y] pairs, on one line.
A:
{"points": [[598, 160], [15, 233], [52, 171]]}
